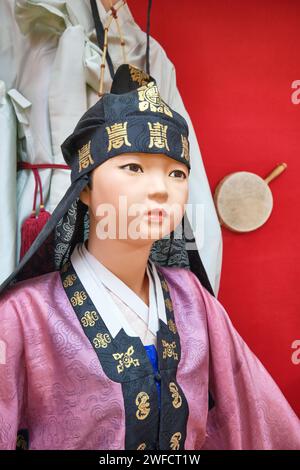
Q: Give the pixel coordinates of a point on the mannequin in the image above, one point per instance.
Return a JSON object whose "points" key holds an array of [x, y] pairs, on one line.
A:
{"points": [[110, 350]]}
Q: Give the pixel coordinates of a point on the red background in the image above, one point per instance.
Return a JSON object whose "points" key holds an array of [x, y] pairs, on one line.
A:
{"points": [[235, 64]]}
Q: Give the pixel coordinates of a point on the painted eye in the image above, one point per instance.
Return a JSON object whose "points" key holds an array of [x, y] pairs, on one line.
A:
{"points": [[181, 174], [133, 167]]}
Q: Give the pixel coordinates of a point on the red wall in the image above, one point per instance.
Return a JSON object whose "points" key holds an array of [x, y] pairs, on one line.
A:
{"points": [[236, 62]]}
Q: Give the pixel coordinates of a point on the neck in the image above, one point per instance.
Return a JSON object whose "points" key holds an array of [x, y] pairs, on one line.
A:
{"points": [[125, 260]]}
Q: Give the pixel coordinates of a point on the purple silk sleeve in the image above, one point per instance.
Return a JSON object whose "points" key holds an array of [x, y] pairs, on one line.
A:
{"points": [[250, 411], [52, 383]]}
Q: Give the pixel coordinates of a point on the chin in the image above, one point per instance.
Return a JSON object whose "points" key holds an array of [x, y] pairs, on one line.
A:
{"points": [[154, 233]]}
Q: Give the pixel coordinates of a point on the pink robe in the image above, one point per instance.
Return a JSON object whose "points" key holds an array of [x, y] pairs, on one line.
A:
{"points": [[52, 383]]}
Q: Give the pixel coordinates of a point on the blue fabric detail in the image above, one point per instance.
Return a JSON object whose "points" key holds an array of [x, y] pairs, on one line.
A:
{"points": [[153, 357]]}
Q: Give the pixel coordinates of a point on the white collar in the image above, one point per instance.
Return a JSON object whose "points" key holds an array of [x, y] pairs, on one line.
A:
{"points": [[94, 276]]}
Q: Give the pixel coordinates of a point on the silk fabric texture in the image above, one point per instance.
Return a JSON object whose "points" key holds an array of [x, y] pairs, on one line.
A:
{"points": [[52, 381]]}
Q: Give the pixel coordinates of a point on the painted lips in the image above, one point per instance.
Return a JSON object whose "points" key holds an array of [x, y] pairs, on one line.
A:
{"points": [[156, 214]]}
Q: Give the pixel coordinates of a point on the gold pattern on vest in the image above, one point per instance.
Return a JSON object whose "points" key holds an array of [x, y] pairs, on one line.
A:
{"points": [[142, 446], [78, 298], [101, 340], [172, 326], [21, 442], [177, 400], [117, 136], [69, 280], [158, 135], [168, 304], [142, 402], [149, 97], [65, 267], [125, 360], [175, 441], [89, 318], [85, 157], [169, 350]]}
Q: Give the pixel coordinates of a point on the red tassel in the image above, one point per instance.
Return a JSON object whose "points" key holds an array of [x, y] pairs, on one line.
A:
{"points": [[30, 229], [33, 225]]}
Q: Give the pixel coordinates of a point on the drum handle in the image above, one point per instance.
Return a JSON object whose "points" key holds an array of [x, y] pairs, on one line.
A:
{"points": [[276, 172]]}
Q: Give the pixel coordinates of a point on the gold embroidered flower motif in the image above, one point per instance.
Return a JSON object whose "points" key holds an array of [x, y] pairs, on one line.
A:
{"points": [[172, 326], [69, 280], [89, 318], [101, 340], [177, 400], [142, 402], [169, 350], [175, 441], [78, 298], [168, 304], [125, 360]]}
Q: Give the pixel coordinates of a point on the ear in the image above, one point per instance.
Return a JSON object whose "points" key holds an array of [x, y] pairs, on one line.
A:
{"points": [[85, 196]]}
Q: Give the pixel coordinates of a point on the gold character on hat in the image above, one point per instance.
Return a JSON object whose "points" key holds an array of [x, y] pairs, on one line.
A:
{"points": [[138, 75], [158, 135], [85, 157], [149, 97], [117, 135], [185, 148]]}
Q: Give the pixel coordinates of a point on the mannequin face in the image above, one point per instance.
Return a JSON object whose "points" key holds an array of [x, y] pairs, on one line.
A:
{"points": [[130, 185]]}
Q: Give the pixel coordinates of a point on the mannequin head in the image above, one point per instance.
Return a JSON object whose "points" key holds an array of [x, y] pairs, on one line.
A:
{"points": [[143, 182]]}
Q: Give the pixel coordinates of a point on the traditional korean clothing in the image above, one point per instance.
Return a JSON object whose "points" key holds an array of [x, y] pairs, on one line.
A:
{"points": [[69, 380], [84, 364]]}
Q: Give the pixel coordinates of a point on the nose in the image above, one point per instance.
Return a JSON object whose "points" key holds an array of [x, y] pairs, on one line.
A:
{"points": [[158, 186]]}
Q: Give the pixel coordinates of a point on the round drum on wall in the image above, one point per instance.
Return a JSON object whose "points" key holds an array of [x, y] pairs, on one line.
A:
{"points": [[244, 201]]}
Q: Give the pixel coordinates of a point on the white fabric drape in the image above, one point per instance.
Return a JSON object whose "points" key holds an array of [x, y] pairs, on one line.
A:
{"points": [[8, 206]]}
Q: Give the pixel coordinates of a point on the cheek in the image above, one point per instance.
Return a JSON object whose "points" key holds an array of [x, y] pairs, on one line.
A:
{"points": [[104, 196], [185, 195], [179, 195], [178, 200], [113, 198]]}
